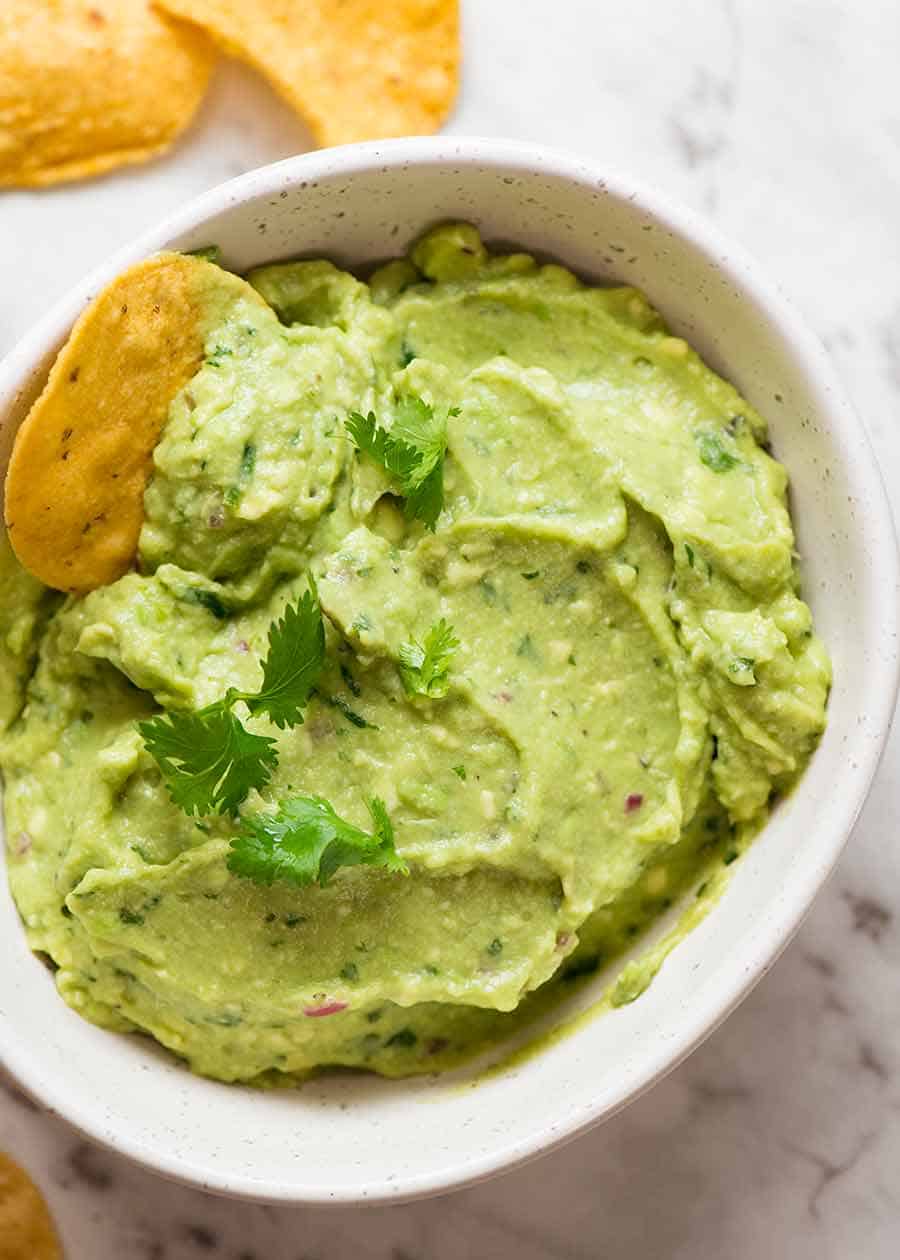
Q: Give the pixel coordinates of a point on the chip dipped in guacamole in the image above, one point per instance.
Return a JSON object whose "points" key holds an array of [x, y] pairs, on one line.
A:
{"points": [[462, 639]]}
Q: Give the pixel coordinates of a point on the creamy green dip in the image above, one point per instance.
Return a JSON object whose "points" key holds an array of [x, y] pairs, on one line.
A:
{"points": [[637, 677]]}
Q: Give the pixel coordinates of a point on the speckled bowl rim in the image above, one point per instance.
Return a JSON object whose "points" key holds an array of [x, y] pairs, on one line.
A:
{"points": [[26, 362]]}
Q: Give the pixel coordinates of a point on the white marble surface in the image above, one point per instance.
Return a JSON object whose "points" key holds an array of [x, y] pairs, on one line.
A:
{"points": [[780, 1136]]}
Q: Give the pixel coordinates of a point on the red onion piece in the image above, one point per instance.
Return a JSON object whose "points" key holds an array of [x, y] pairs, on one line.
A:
{"points": [[330, 1008]]}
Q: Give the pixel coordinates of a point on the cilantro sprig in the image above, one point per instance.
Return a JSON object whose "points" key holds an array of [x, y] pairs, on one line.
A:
{"points": [[305, 842], [412, 451], [425, 667], [209, 760]]}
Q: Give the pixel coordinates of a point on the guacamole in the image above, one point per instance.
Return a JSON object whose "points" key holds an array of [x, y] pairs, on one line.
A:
{"points": [[636, 677]]}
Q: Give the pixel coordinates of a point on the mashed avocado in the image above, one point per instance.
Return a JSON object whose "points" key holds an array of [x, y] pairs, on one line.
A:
{"points": [[636, 678]]}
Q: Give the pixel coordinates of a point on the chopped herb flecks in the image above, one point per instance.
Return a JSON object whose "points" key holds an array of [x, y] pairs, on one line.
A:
{"points": [[713, 451], [354, 718], [405, 1037], [206, 599], [350, 682]]}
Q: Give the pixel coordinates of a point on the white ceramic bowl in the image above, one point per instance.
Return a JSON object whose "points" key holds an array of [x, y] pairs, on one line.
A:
{"points": [[353, 1138]]}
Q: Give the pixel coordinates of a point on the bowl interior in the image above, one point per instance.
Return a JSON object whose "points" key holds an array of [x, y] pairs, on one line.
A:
{"points": [[351, 1137]]}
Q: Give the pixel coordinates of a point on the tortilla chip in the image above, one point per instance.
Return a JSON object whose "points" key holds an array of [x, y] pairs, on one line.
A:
{"points": [[26, 1229], [354, 69], [87, 85], [81, 459]]}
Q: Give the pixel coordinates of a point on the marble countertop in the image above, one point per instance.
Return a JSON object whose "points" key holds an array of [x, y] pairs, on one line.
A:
{"points": [[781, 1135]]}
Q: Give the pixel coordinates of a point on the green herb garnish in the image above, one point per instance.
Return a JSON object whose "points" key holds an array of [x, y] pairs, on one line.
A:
{"points": [[361, 624], [425, 668], [352, 685], [743, 668], [412, 451], [206, 599], [208, 759], [306, 842], [246, 469], [248, 459], [354, 718], [713, 452], [292, 665], [526, 648], [404, 1037]]}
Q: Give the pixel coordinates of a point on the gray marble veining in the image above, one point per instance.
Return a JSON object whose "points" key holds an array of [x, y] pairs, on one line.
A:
{"points": [[781, 1135]]}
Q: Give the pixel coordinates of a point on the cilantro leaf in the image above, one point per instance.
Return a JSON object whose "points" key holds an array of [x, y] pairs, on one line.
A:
{"points": [[424, 502], [306, 842], [416, 425], [394, 456], [209, 761], [425, 668], [412, 451], [713, 452], [292, 665]]}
